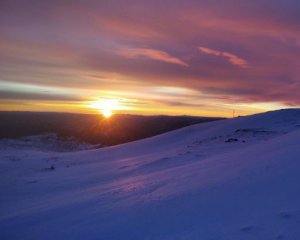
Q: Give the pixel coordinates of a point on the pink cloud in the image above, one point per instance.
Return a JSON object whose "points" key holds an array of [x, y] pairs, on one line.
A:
{"points": [[75, 42], [233, 59], [152, 54]]}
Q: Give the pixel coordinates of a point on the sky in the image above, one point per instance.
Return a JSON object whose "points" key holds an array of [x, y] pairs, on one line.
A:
{"points": [[188, 57]]}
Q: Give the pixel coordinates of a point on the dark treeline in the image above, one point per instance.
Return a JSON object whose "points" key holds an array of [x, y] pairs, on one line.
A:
{"points": [[92, 128]]}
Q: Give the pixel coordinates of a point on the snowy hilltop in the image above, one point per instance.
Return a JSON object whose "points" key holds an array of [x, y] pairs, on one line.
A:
{"points": [[229, 179]]}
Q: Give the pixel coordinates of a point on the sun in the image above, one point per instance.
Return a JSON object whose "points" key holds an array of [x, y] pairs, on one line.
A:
{"points": [[106, 106], [106, 113]]}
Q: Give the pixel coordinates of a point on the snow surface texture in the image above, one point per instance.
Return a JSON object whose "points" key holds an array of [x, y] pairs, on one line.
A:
{"points": [[45, 142], [231, 179]]}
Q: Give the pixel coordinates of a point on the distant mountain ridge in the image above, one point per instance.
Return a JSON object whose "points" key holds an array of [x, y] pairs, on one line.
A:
{"points": [[91, 128]]}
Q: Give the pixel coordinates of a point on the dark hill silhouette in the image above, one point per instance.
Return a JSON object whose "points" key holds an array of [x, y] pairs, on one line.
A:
{"points": [[92, 128]]}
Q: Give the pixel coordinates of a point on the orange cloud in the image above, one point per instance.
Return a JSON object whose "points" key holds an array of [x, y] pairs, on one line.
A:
{"points": [[233, 59], [152, 54]]}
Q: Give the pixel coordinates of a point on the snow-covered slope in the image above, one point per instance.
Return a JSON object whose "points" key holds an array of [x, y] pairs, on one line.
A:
{"points": [[45, 142], [231, 179]]}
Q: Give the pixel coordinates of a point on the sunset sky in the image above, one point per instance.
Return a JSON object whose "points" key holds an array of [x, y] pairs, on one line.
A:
{"points": [[190, 57]]}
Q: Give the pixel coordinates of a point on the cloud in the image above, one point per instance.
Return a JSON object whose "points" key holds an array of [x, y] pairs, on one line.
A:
{"points": [[14, 95], [152, 54], [233, 59], [256, 42]]}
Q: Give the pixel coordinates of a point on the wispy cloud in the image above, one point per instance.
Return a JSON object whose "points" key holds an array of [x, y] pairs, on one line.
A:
{"points": [[232, 58], [151, 50], [152, 54], [14, 95]]}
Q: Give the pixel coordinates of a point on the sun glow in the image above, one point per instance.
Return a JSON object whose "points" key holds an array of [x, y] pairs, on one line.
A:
{"points": [[106, 113], [106, 106]]}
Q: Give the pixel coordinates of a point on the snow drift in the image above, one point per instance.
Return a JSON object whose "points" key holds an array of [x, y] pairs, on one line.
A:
{"points": [[231, 179]]}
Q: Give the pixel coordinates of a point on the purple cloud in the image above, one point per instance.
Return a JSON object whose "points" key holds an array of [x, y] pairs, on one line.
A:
{"points": [[237, 52]]}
